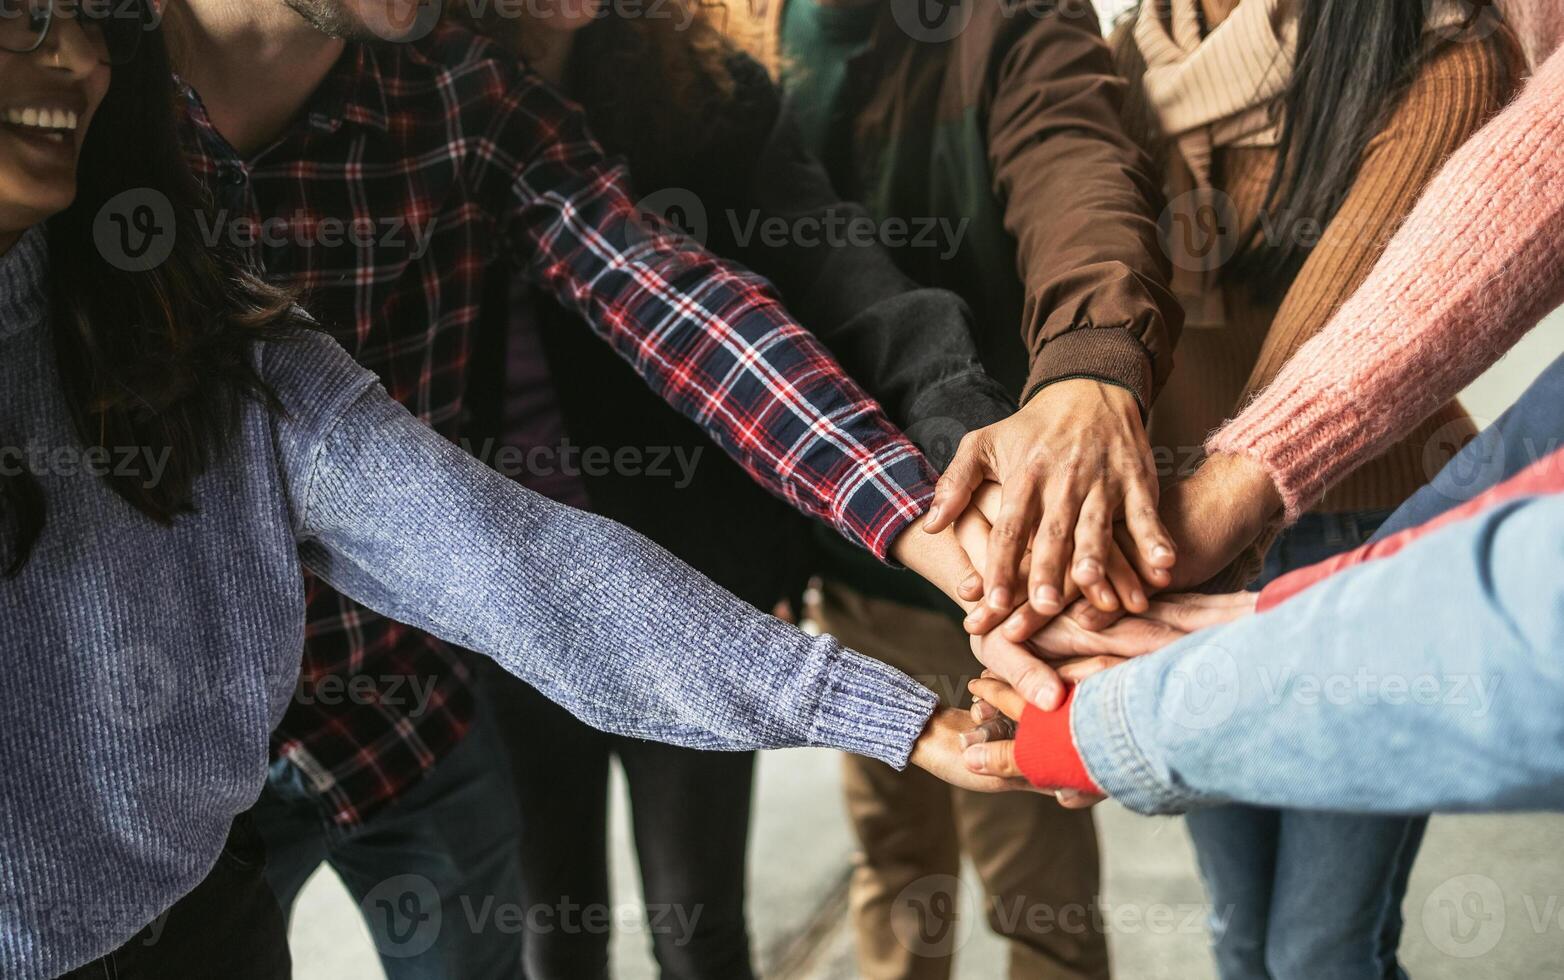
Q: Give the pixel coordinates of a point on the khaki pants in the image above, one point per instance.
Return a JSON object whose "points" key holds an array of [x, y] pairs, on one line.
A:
{"points": [[1038, 861]]}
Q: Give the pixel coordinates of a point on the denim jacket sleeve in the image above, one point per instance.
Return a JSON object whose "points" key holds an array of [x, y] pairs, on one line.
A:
{"points": [[593, 615], [1426, 682]]}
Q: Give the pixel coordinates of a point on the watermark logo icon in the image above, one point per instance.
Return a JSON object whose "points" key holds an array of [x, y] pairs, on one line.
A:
{"points": [[404, 916], [934, 916], [405, 21], [672, 209], [135, 230], [932, 21], [1200, 230], [1464, 917], [1203, 690]]}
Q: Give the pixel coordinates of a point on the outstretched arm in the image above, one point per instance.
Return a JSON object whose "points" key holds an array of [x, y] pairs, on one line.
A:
{"points": [[712, 340], [592, 614], [1442, 661]]}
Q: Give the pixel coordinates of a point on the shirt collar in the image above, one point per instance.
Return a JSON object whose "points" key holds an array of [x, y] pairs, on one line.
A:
{"points": [[354, 92]]}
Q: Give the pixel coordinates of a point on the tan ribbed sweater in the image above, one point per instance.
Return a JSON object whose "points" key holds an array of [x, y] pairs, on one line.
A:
{"points": [[1216, 372]]}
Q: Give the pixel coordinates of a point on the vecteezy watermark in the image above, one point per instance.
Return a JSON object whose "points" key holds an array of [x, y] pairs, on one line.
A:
{"points": [[404, 915], [939, 21], [675, 921], [677, 464], [934, 916], [1464, 916], [1204, 689], [540, 12], [402, 21], [1467, 916], [306, 230], [407, 915], [681, 210], [100, 462], [1200, 230], [1364, 686], [135, 230]]}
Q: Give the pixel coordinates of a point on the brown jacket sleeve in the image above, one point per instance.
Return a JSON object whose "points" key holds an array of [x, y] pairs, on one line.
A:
{"points": [[1081, 203]]}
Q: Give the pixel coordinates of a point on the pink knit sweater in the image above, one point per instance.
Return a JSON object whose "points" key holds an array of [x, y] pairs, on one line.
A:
{"points": [[1476, 265]]}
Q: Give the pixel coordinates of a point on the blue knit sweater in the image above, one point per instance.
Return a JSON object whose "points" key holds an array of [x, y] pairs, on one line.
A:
{"points": [[145, 666]]}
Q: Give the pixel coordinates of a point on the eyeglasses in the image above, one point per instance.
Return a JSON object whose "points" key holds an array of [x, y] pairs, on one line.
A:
{"points": [[112, 27]]}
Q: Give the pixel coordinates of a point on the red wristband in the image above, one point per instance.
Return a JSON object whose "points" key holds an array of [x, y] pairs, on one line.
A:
{"points": [[1046, 753]]}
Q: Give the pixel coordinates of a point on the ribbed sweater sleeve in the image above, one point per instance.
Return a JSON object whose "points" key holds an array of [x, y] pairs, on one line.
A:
{"points": [[1479, 261], [596, 617]]}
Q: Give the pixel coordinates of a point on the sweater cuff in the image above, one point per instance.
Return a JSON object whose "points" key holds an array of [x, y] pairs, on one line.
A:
{"points": [[950, 409], [1046, 752], [873, 710], [1111, 355]]}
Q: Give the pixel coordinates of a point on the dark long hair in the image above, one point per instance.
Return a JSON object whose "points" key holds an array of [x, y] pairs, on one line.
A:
{"points": [[157, 360], [1356, 59]]}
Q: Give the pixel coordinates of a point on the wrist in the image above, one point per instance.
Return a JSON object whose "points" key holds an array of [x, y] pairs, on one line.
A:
{"points": [[937, 558], [1247, 485]]}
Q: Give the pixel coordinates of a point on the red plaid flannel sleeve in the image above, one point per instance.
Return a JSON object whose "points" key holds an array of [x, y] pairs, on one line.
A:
{"points": [[713, 341]]}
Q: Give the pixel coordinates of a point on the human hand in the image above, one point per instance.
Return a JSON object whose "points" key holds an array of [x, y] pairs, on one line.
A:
{"points": [[1069, 462], [940, 752], [1085, 631], [973, 529], [991, 745], [1217, 513]]}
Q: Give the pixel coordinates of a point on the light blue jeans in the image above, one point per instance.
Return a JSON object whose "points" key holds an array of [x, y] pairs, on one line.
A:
{"points": [[1300, 895], [436, 875]]}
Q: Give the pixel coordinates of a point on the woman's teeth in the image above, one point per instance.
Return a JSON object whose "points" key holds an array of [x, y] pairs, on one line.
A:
{"points": [[54, 123]]}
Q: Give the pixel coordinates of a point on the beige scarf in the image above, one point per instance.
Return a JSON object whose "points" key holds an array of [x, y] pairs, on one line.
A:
{"points": [[1220, 90]]}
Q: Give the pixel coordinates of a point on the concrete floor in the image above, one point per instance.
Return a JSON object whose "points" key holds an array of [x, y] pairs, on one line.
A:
{"points": [[1486, 900]]}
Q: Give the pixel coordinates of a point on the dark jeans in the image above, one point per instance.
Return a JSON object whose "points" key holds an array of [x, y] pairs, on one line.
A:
{"points": [[434, 875], [690, 813], [1299, 894], [229, 926]]}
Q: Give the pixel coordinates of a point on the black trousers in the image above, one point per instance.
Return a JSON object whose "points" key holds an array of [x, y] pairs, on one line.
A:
{"points": [[690, 812], [229, 926]]}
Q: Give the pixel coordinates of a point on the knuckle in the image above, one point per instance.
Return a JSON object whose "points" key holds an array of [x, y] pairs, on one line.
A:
{"points": [[1008, 531]]}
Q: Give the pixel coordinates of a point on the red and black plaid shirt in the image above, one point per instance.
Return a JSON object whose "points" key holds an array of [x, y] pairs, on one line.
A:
{"points": [[413, 169]]}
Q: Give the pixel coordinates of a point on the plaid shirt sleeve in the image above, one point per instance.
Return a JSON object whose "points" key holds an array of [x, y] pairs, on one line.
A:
{"points": [[711, 340]]}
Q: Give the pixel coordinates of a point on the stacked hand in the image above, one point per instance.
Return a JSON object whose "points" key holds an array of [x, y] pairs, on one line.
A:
{"points": [[997, 706], [1054, 537]]}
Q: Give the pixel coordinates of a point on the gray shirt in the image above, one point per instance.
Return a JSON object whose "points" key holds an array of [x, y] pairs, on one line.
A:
{"points": [[146, 666]]}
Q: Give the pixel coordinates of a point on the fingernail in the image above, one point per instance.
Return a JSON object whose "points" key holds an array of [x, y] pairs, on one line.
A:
{"points": [[1000, 598], [971, 582], [1138, 597], [986, 711], [932, 518], [1048, 598], [974, 618], [1162, 551], [976, 758]]}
